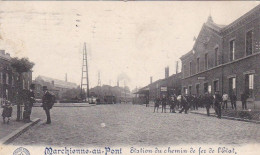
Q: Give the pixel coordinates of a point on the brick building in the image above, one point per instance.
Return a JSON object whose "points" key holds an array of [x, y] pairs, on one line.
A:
{"points": [[225, 58], [58, 87], [9, 78], [168, 86]]}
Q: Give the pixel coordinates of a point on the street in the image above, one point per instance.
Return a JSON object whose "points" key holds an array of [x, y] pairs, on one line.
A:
{"points": [[130, 125]]}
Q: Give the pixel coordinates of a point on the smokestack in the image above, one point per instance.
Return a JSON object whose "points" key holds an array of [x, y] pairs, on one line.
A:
{"points": [[117, 83], [167, 72], [177, 67], [151, 80], [66, 78]]}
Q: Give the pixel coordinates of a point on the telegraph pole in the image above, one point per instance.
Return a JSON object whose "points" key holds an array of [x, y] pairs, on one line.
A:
{"points": [[84, 73]]}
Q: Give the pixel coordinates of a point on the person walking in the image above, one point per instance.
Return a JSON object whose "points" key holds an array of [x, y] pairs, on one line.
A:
{"points": [[47, 103], [184, 104], [225, 100], [244, 97], [29, 104], [217, 104], [233, 99]]}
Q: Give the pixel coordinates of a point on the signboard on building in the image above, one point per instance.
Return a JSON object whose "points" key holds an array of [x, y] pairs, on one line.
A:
{"points": [[201, 78], [163, 89]]}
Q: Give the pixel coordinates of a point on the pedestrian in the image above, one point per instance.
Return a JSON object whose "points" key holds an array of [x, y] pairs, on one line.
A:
{"points": [[147, 101], [7, 111], [172, 104], [200, 101], [184, 104], [164, 102], [47, 103], [179, 101], [30, 99], [156, 104], [233, 99], [225, 100], [207, 102], [244, 97], [217, 104]]}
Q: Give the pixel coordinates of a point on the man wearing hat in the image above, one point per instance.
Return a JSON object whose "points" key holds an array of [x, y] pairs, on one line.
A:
{"points": [[30, 99], [47, 103], [217, 103]]}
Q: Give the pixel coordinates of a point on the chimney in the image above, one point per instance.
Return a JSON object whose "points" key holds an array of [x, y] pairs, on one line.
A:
{"points": [[177, 67], [167, 72], [66, 78], [151, 80], [117, 83], [52, 82]]}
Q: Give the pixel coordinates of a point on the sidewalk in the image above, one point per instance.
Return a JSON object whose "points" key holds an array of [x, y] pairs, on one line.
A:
{"points": [[202, 111], [12, 126]]}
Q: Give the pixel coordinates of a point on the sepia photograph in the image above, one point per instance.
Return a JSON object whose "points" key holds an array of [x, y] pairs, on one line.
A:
{"points": [[130, 77]]}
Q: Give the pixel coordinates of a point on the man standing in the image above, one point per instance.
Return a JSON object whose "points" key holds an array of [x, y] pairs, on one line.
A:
{"points": [[172, 104], [225, 99], [47, 103], [164, 100], [217, 103], [207, 102], [233, 99], [244, 97], [29, 104]]}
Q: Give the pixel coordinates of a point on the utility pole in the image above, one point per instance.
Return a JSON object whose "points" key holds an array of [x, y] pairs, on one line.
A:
{"points": [[84, 75]]}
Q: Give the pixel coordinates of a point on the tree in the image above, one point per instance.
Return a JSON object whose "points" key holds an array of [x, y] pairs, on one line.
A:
{"points": [[20, 66]]}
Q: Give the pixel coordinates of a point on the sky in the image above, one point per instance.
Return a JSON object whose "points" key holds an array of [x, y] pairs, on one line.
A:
{"points": [[129, 41]]}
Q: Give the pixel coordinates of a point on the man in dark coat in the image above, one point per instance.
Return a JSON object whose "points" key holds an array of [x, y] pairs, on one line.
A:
{"points": [[172, 103], [30, 99], [233, 99], [47, 103], [207, 102], [156, 104], [184, 104], [164, 102], [244, 97], [217, 103]]}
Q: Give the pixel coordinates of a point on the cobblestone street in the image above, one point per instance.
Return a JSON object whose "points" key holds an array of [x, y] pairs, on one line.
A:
{"points": [[127, 124]]}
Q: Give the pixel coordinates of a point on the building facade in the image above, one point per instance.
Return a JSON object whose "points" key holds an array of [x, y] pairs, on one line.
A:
{"points": [[9, 78], [168, 86], [58, 87], [225, 58]]}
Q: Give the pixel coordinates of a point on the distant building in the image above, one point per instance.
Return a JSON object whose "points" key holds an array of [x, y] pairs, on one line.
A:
{"points": [[54, 85], [120, 93], [168, 86], [9, 78], [225, 58]]}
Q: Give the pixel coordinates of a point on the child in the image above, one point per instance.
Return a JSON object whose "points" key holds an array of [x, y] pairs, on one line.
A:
{"points": [[7, 111]]}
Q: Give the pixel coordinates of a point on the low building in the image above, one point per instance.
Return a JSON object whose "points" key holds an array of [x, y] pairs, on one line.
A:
{"points": [[168, 86], [58, 87]]}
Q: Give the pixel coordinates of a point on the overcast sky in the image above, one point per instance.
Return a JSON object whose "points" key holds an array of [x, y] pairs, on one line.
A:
{"points": [[126, 40]]}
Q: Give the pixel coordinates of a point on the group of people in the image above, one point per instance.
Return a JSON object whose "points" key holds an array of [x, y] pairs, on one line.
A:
{"points": [[193, 102], [27, 97]]}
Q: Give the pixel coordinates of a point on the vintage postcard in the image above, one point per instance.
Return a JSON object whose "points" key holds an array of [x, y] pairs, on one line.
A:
{"points": [[130, 77]]}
